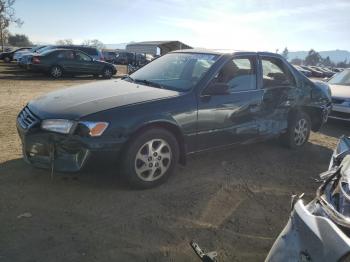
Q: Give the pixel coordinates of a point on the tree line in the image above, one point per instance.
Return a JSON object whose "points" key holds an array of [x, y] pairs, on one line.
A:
{"points": [[8, 17], [313, 58]]}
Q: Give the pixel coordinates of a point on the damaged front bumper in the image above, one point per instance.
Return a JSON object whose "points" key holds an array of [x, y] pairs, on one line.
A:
{"points": [[309, 236], [64, 153]]}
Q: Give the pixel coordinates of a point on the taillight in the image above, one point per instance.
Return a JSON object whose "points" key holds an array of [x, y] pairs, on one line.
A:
{"points": [[36, 60]]}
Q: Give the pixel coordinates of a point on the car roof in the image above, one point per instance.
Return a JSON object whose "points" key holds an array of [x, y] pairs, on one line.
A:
{"points": [[226, 52], [67, 49]]}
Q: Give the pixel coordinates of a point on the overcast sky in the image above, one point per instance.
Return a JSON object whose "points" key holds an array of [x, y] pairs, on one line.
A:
{"points": [[233, 24]]}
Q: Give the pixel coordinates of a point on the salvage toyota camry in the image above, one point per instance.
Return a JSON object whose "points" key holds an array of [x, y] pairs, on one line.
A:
{"points": [[181, 103]]}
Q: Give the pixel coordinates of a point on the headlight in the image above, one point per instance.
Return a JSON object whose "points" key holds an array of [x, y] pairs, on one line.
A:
{"points": [[62, 126], [95, 128]]}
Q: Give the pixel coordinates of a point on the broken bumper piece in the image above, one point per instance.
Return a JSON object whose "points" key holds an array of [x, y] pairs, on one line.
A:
{"points": [[63, 153]]}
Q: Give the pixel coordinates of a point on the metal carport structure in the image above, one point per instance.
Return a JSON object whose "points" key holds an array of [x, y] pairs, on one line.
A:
{"points": [[151, 47]]}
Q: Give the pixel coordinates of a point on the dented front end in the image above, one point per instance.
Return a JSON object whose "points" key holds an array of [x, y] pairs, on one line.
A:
{"points": [[60, 152], [320, 230]]}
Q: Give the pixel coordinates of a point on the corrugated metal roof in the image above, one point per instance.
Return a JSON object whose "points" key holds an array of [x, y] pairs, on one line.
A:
{"points": [[155, 42]]}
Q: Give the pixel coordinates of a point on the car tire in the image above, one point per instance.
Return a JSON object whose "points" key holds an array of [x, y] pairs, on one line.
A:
{"points": [[56, 72], [7, 59], [150, 158], [298, 132], [107, 73]]}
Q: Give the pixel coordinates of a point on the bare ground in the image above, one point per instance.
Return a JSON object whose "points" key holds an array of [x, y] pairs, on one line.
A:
{"points": [[234, 201]]}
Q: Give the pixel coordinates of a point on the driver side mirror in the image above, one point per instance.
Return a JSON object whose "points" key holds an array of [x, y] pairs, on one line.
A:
{"points": [[216, 89]]}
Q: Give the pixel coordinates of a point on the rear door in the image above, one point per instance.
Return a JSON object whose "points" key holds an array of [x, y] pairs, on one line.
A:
{"points": [[65, 58], [280, 95], [231, 118]]}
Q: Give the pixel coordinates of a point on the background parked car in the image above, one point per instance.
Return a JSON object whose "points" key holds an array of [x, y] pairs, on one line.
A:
{"points": [[325, 72], [26, 59], [340, 87], [94, 52], [58, 62], [109, 56], [303, 71], [315, 72], [8, 56], [17, 56], [124, 58]]}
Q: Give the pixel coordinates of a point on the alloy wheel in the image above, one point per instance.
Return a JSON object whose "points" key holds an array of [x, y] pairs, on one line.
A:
{"points": [[56, 72], [107, 73], [153, 160], [301, 132]]}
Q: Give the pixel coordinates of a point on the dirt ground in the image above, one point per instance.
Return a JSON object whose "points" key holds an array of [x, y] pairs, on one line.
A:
{"points": [[234, 201]]}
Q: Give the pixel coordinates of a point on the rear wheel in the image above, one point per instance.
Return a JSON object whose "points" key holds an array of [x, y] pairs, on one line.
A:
{"points": [[298, 132], [150, 158], [7, 59], [56, 72]]}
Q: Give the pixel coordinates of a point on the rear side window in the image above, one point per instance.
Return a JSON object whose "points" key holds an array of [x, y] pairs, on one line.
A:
{"points": [[66, 54], [275, 73], [239, 74]]}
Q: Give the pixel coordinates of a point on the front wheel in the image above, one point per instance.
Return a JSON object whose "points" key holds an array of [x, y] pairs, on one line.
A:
{"points": [[150, 158], [298, 132], [107, 73]]}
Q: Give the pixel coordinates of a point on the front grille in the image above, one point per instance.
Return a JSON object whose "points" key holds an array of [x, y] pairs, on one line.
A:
{"points": [[338, 100], [27, 119]]}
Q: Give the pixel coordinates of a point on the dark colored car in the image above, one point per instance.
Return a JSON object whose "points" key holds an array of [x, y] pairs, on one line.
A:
{"points": [[184, 102], [314, 71], [109, 56], [58, 62], [8, 56], [303, 71], [94, 52], [124, 58], [326, 73]]}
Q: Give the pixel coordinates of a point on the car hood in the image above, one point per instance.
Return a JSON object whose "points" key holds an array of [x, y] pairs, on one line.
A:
{"points": [[75, 102], [340, 91]]}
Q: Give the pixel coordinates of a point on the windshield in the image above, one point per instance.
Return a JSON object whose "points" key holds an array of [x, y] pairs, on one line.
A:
{"points": [[342, 78], [176, 71]]}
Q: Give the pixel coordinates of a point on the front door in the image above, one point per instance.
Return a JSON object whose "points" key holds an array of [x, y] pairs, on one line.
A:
{"points": [[231, 118], [84, 63]]}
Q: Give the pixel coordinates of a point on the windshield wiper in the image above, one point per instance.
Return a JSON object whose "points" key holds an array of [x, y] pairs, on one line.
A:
{"points": [[149, 83]]}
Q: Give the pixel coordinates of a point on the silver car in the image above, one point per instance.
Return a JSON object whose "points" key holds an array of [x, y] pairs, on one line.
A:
{"points": [[340, 87], [17, 56]]}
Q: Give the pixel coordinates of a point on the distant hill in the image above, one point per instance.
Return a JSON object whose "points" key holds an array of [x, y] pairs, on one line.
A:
{"points": [[335, 55]]}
